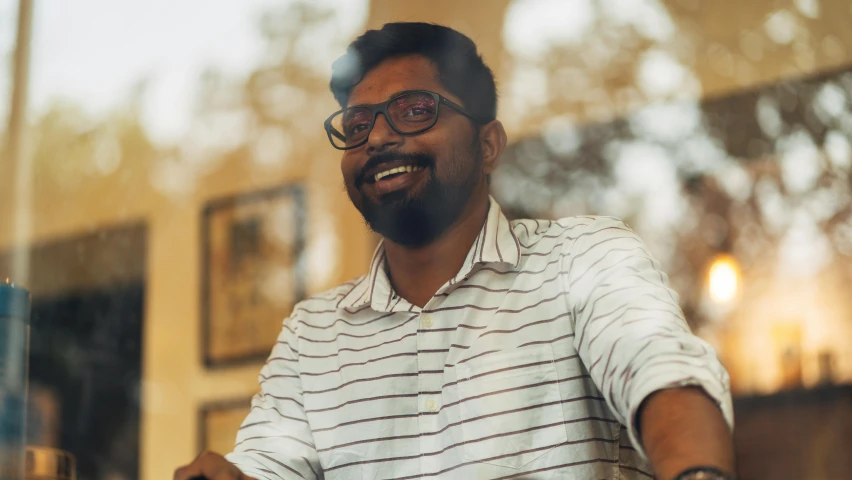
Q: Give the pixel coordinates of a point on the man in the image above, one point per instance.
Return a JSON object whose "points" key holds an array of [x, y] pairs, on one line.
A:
{"points": [[475, 347]]}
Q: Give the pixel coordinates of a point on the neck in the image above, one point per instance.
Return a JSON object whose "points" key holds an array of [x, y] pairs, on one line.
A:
{"points": [[417, 273]]}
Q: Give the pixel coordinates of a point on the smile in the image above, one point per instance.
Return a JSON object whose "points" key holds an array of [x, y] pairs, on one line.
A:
{"points": [[394, 178], [395, 171]]}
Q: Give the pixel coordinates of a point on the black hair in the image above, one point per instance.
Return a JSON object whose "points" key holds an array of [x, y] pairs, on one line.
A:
{"points": [[460, 67]]}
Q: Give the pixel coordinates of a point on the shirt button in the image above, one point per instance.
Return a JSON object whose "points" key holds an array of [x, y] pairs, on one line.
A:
{"points": [[427, 321], [431, 405]]}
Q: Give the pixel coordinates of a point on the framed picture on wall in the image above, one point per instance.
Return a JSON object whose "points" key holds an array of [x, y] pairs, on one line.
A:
{"points": [[252, 272], [219, 422]]}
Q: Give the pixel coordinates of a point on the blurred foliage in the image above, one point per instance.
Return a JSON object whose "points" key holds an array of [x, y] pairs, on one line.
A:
{"points": [[257, 122], [275, 114], [70, 150], [763, 174], [591, 59], [614, 126]]}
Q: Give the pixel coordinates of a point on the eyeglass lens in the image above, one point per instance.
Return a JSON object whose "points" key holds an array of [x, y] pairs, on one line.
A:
{"points": [[407, 113]]}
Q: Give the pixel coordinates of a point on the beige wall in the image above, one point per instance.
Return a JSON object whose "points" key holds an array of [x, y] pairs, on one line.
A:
{"points": [[175, 381], [732, 56]]}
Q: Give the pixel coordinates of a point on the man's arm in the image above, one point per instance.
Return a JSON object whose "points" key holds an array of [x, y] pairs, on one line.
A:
{"points": [[671, 421], [275, 440], [210, 466], [639, 350]]}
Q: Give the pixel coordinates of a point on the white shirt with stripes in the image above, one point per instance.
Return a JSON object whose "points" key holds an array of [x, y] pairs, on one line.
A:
{"points": [[530, 363]]}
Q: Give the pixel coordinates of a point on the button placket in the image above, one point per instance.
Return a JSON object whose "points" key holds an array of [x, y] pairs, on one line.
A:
{"points": [[430, 396]]}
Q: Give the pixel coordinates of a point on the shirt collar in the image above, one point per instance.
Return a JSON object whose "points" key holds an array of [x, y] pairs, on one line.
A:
{"points": [[495, 244]]}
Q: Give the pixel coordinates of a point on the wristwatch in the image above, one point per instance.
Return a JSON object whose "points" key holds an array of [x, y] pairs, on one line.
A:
{"points": [[703, 473]]}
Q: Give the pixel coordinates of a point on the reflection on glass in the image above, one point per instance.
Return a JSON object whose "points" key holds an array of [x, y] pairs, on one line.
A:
{"points": [[49, 464], [721, 126]]}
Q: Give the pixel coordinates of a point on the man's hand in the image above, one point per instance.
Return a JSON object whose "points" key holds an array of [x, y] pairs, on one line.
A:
{"points": [[210, 466]]}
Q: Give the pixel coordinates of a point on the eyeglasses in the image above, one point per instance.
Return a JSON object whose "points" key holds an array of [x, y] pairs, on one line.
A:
{"points": [[407, 113]]}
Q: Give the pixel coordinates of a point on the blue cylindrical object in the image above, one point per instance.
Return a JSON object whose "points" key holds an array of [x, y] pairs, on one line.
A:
{"points": [[14, 356]]}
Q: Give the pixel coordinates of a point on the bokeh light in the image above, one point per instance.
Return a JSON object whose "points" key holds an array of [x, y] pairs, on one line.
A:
{"points": [[723, 279]]}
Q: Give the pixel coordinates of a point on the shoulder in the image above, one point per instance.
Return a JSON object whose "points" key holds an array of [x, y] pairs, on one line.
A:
{"points": [[603, 242], [595, 226], [536, 234]]}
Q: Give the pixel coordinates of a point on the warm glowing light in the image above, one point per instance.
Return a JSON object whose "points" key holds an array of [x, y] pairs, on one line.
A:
{"points": [[724, 279]]}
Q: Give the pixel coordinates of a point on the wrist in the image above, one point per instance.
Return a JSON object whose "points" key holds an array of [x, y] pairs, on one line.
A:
{"points": [[703, 473]]}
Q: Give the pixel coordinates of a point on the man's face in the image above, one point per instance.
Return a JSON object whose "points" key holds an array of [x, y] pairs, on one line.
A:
{"points": [[411, 208]]}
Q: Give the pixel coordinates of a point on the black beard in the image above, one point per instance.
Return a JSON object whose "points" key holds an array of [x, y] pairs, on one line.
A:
{"points": [[415, 220]]}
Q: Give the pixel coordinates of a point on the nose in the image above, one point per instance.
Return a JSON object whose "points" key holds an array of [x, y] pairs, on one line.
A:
{"points": [[383, 136]]}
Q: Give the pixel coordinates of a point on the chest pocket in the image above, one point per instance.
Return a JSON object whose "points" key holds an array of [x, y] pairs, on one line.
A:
{"points": [[510, 406]]}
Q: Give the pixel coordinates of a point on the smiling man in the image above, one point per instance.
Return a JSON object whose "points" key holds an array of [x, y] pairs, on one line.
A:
{"points": [[476, 347]]}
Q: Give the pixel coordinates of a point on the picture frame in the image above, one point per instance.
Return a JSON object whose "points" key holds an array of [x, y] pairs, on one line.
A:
{"points": [[252, 272], [218, 424]]}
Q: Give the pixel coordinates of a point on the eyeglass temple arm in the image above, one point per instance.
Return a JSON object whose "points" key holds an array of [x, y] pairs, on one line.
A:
{"points": [[333, 131], [455, 106]]}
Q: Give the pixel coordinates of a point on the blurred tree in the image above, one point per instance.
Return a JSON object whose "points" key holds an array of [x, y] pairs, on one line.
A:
{"points": [[73, 151], [612, 124], [762, 174], [256, 123], [275, 115]]}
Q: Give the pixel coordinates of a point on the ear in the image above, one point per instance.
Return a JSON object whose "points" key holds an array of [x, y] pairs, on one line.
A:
{"points": [[492, 142]]}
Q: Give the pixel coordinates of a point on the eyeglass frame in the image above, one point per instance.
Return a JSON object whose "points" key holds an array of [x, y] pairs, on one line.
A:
{"points": [[382, 107]]}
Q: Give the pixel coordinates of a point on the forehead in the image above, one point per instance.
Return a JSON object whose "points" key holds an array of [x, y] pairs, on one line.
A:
{"points": [[411, 72]]}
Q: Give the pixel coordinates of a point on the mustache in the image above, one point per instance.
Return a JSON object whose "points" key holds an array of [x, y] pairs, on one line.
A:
{"points": [[423, 159]]}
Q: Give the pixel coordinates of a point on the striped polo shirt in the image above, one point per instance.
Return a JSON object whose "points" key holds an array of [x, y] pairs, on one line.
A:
{"points": [[530, 363]]}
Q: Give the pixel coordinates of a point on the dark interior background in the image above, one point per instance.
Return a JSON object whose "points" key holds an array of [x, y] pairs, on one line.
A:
{"points": [[88, 297]]}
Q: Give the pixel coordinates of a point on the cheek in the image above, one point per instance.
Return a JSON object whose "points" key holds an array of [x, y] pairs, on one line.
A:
{"points": [[456, 162], [347, 168]]}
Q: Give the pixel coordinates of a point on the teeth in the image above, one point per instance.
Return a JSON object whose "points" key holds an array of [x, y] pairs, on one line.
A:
{"points": [[406, 169]]}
